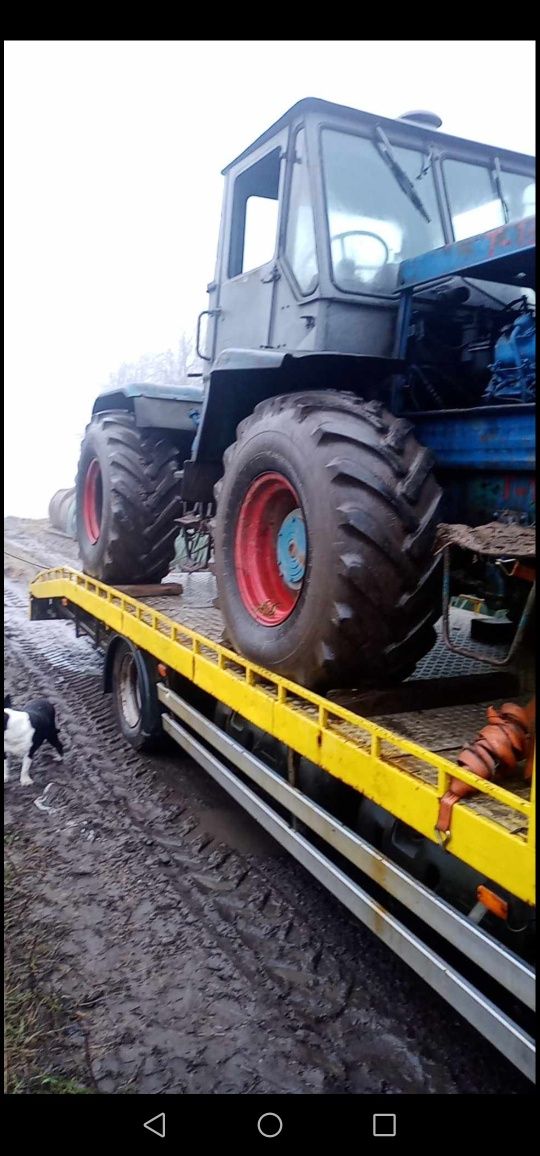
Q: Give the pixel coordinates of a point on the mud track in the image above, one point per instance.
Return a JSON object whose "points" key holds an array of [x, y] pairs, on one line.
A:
{"points": [[199, 956]]}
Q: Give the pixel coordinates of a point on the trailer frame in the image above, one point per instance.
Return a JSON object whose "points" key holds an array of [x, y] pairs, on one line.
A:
{"points": [[367, 757]]}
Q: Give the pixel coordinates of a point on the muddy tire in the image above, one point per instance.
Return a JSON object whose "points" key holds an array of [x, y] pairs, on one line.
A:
{"points": [[352, 594], [135, 701], [127, 501]]}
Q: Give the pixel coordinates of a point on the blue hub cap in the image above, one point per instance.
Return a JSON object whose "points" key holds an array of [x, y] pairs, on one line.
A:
{"points": [[291, 549]]}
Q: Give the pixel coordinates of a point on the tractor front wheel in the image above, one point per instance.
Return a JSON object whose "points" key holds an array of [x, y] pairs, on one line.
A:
{"points": [[324, 531]]}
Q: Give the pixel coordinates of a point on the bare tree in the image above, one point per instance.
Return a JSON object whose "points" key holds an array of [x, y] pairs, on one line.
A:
{"points": [[170, 367]]}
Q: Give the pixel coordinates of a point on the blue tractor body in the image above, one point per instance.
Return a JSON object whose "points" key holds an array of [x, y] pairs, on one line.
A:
{"points": [[485, 454]]}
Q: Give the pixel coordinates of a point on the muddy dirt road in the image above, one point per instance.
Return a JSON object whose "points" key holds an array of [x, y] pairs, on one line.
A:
{"points": [[194, 955]]}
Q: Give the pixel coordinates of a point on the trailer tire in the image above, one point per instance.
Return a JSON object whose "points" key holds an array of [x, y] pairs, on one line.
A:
{"points": [[135, 701], [361, 603], [127, 501]]}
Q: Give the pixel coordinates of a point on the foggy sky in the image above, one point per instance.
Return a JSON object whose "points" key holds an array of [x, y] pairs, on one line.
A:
{"points": [[113, 153]]}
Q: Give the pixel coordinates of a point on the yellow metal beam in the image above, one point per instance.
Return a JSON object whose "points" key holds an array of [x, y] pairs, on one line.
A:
{"points": [[340, 742]]}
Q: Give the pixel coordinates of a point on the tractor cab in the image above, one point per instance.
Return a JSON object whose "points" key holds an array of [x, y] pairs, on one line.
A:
{"points": [[322, 209]]}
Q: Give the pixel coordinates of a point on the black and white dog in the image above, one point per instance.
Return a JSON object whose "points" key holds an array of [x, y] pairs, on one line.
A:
{"points": [[25, 731]]}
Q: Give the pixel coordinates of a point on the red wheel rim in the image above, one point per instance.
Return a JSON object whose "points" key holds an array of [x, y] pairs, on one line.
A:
{"points": [[270, 549], [92, 501]]}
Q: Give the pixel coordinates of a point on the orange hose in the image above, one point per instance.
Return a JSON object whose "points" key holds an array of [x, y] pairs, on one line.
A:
{"points": [[500, 746]]}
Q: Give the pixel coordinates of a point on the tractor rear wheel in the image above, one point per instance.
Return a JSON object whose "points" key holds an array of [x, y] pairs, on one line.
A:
{"points": [[127, 501], [324, 531]]}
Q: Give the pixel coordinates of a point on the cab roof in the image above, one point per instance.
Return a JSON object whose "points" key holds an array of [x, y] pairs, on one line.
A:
{"points": [[327, 109]]}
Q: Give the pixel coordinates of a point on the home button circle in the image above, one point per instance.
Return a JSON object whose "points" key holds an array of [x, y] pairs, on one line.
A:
{"points": [[270, 1125]]}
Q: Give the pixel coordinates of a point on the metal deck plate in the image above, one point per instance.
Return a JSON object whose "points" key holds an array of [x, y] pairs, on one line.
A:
{"points": [[441, 662], [195, 609]]}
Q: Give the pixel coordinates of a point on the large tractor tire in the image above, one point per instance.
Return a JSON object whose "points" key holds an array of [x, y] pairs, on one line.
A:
{"points": [[324, 531], [127, 501]]}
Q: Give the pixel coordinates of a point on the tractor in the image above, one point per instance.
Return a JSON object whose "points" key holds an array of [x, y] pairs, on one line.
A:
{"points": [[369, 354]]}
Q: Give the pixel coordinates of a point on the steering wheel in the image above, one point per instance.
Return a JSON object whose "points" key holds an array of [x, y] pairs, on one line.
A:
{"points": [[361, 233]]}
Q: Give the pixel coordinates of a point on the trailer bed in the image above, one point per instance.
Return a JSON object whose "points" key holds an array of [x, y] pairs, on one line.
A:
{"points": [[402, 760], [443, 730], [399, 757]]}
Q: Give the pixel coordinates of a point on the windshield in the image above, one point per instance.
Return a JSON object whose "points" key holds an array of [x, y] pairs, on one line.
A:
{"points": [[372, 222], [475, 203]]}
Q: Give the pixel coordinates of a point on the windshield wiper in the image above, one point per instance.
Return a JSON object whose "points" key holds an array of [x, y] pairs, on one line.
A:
{"points": [[496, 177], [384, 148]]}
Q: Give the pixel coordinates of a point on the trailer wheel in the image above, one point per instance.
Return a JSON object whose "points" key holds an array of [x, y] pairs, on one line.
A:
{"points": [[324, 530], [127, 501], [135, 701]]}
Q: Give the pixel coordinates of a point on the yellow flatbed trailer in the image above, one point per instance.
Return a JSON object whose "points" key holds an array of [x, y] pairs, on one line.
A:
{"points": [[492, 831]]}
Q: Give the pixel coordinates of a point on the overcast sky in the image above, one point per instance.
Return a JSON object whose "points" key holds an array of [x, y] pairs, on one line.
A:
{"points": [[113, 154]]}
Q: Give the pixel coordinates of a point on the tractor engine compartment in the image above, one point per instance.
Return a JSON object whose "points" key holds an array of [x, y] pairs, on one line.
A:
{"points": [[470, 388], [464, 352]]}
